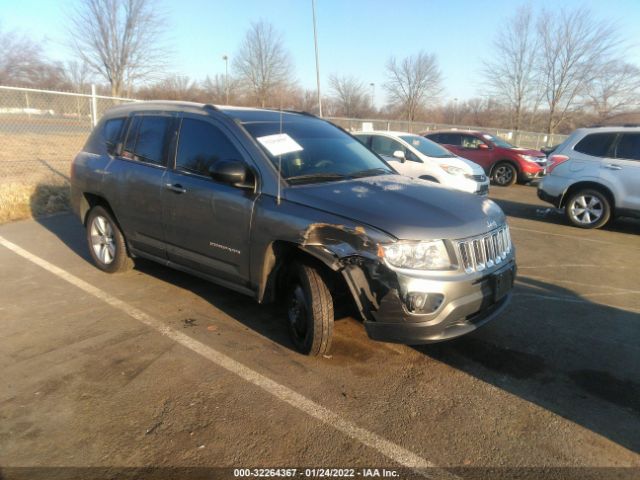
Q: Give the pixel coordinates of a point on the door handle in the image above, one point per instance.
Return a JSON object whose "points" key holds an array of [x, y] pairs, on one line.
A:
{"points": [[177, 188], [613, 167]]}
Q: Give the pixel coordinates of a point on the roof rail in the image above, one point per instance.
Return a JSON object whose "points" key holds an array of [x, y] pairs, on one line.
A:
{"points": [[602, 125], [209, 106], [301, 112]]}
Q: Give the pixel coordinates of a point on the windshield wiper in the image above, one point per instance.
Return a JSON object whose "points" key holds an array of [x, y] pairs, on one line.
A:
{"points": [[370, 172], [315, 177]]}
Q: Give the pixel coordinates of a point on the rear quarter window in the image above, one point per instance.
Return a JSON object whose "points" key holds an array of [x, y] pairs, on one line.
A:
{"points": [[628, 147], [105, 136], [596, 144]]}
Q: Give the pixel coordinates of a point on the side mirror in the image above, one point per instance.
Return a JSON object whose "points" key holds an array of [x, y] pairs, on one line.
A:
{"points": [[483, 146], [399, 154], [231, 172]]}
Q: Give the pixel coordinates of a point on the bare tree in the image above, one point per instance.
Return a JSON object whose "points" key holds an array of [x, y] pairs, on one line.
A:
{"points": [[510, 74], [615, 89], [22, 62], [118, 39], [350, 96], [574, 46], [78, 75], [263, 64], [412, 81], [216, 89]]}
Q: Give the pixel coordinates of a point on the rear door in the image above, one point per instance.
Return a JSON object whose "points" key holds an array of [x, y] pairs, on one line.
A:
{"points": [[623, 171], [135, 180], [206, 223]]}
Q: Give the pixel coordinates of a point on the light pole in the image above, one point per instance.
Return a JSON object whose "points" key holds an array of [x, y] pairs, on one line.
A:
{"points": [[315, 41], [373, 94], [226, 77], [455, 109]]}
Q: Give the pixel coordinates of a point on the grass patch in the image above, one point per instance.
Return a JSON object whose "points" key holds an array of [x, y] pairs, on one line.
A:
{"points": [[23, 200]]}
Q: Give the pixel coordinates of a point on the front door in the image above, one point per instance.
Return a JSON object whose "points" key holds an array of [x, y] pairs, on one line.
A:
{"points": [[206, 223]]}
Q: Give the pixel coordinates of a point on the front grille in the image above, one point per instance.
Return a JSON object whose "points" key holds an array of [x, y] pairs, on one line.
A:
{"points": [[477, 178], [485, 251]]}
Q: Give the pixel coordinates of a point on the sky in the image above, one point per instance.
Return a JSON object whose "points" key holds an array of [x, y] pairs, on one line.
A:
{"points": [[355, 37]]}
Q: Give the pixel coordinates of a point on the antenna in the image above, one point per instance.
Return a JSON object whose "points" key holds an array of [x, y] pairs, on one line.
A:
{"points": [[280, 156]]}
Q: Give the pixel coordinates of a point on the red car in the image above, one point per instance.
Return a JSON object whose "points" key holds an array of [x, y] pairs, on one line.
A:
{"points": [[504, 163]]}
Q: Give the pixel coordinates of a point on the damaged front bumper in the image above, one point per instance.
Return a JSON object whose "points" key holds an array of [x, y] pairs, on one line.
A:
{"points": [[450, 307]]}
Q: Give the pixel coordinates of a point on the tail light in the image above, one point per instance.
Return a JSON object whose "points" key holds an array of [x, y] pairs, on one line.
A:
{"points": [[555, 160]]}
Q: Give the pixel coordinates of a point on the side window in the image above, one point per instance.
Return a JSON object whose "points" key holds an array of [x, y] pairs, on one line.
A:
{"points": [[450, 139], [200, 145], [629, 146], [596, 144], [385, 146], [112, 129], [147, 138], [469, 141], [364, 139]]}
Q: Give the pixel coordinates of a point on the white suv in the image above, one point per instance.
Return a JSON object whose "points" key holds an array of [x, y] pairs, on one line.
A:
{"points": [[595, 175], [418, 157]]}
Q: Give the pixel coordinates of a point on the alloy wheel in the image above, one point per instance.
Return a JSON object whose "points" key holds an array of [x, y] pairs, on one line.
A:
{"points": [[587, 209], [102, 241]]}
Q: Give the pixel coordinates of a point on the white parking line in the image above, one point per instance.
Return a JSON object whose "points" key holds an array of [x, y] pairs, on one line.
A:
{"points": [[389, 449]]}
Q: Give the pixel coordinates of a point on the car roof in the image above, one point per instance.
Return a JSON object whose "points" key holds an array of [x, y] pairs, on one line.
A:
{"points": [[390, 133], [609, 128], [466, 132], [243, 114]]}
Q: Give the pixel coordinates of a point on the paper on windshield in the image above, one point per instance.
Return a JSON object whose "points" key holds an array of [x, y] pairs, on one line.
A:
{"points": [[279, 144]]}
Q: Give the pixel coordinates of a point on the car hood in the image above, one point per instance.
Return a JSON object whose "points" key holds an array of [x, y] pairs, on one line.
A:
{"points": [[407, 208], [528, 151], [467, 165]]}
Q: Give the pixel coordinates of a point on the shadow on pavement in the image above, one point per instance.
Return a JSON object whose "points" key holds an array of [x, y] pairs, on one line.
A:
{"points": [[552, 347], [573, 357], [549, 214]]}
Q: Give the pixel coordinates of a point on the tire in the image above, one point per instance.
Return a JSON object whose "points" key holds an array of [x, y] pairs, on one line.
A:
{"points": [[106, 242], [588, 209], [504, 174], [309, 310]]}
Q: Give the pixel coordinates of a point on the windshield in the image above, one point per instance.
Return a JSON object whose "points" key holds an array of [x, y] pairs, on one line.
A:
{"points": [[324, 152], [427, 147], [497, 140]]}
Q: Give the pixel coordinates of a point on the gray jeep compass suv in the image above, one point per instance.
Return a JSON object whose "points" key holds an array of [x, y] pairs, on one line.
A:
{"points": [[284, 206]]}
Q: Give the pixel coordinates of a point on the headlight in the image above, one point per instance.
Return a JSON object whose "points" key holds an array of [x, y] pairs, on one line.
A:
{"points": [[450, 169], [417, 255], [531, 158]]}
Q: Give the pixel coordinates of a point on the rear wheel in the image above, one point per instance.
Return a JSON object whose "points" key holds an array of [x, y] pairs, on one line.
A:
{"points": [[106, 242], [588, 209], [309, 311], [504, 174]]}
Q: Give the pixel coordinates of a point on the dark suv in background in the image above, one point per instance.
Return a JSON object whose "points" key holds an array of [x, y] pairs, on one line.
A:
{"points": [[503, 163], [286, 207]]}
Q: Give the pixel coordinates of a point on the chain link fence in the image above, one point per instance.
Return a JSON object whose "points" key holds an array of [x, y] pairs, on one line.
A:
{"points": [[41, 131], [521, 139]]}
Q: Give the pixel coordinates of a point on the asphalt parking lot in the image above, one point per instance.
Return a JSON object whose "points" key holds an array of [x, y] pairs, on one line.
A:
{"points": [[118, 371]]}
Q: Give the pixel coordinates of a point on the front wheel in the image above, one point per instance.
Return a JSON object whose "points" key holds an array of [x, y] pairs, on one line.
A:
{"points": [[504, 174], [309, 311], [588, 209], [106, 242]]}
